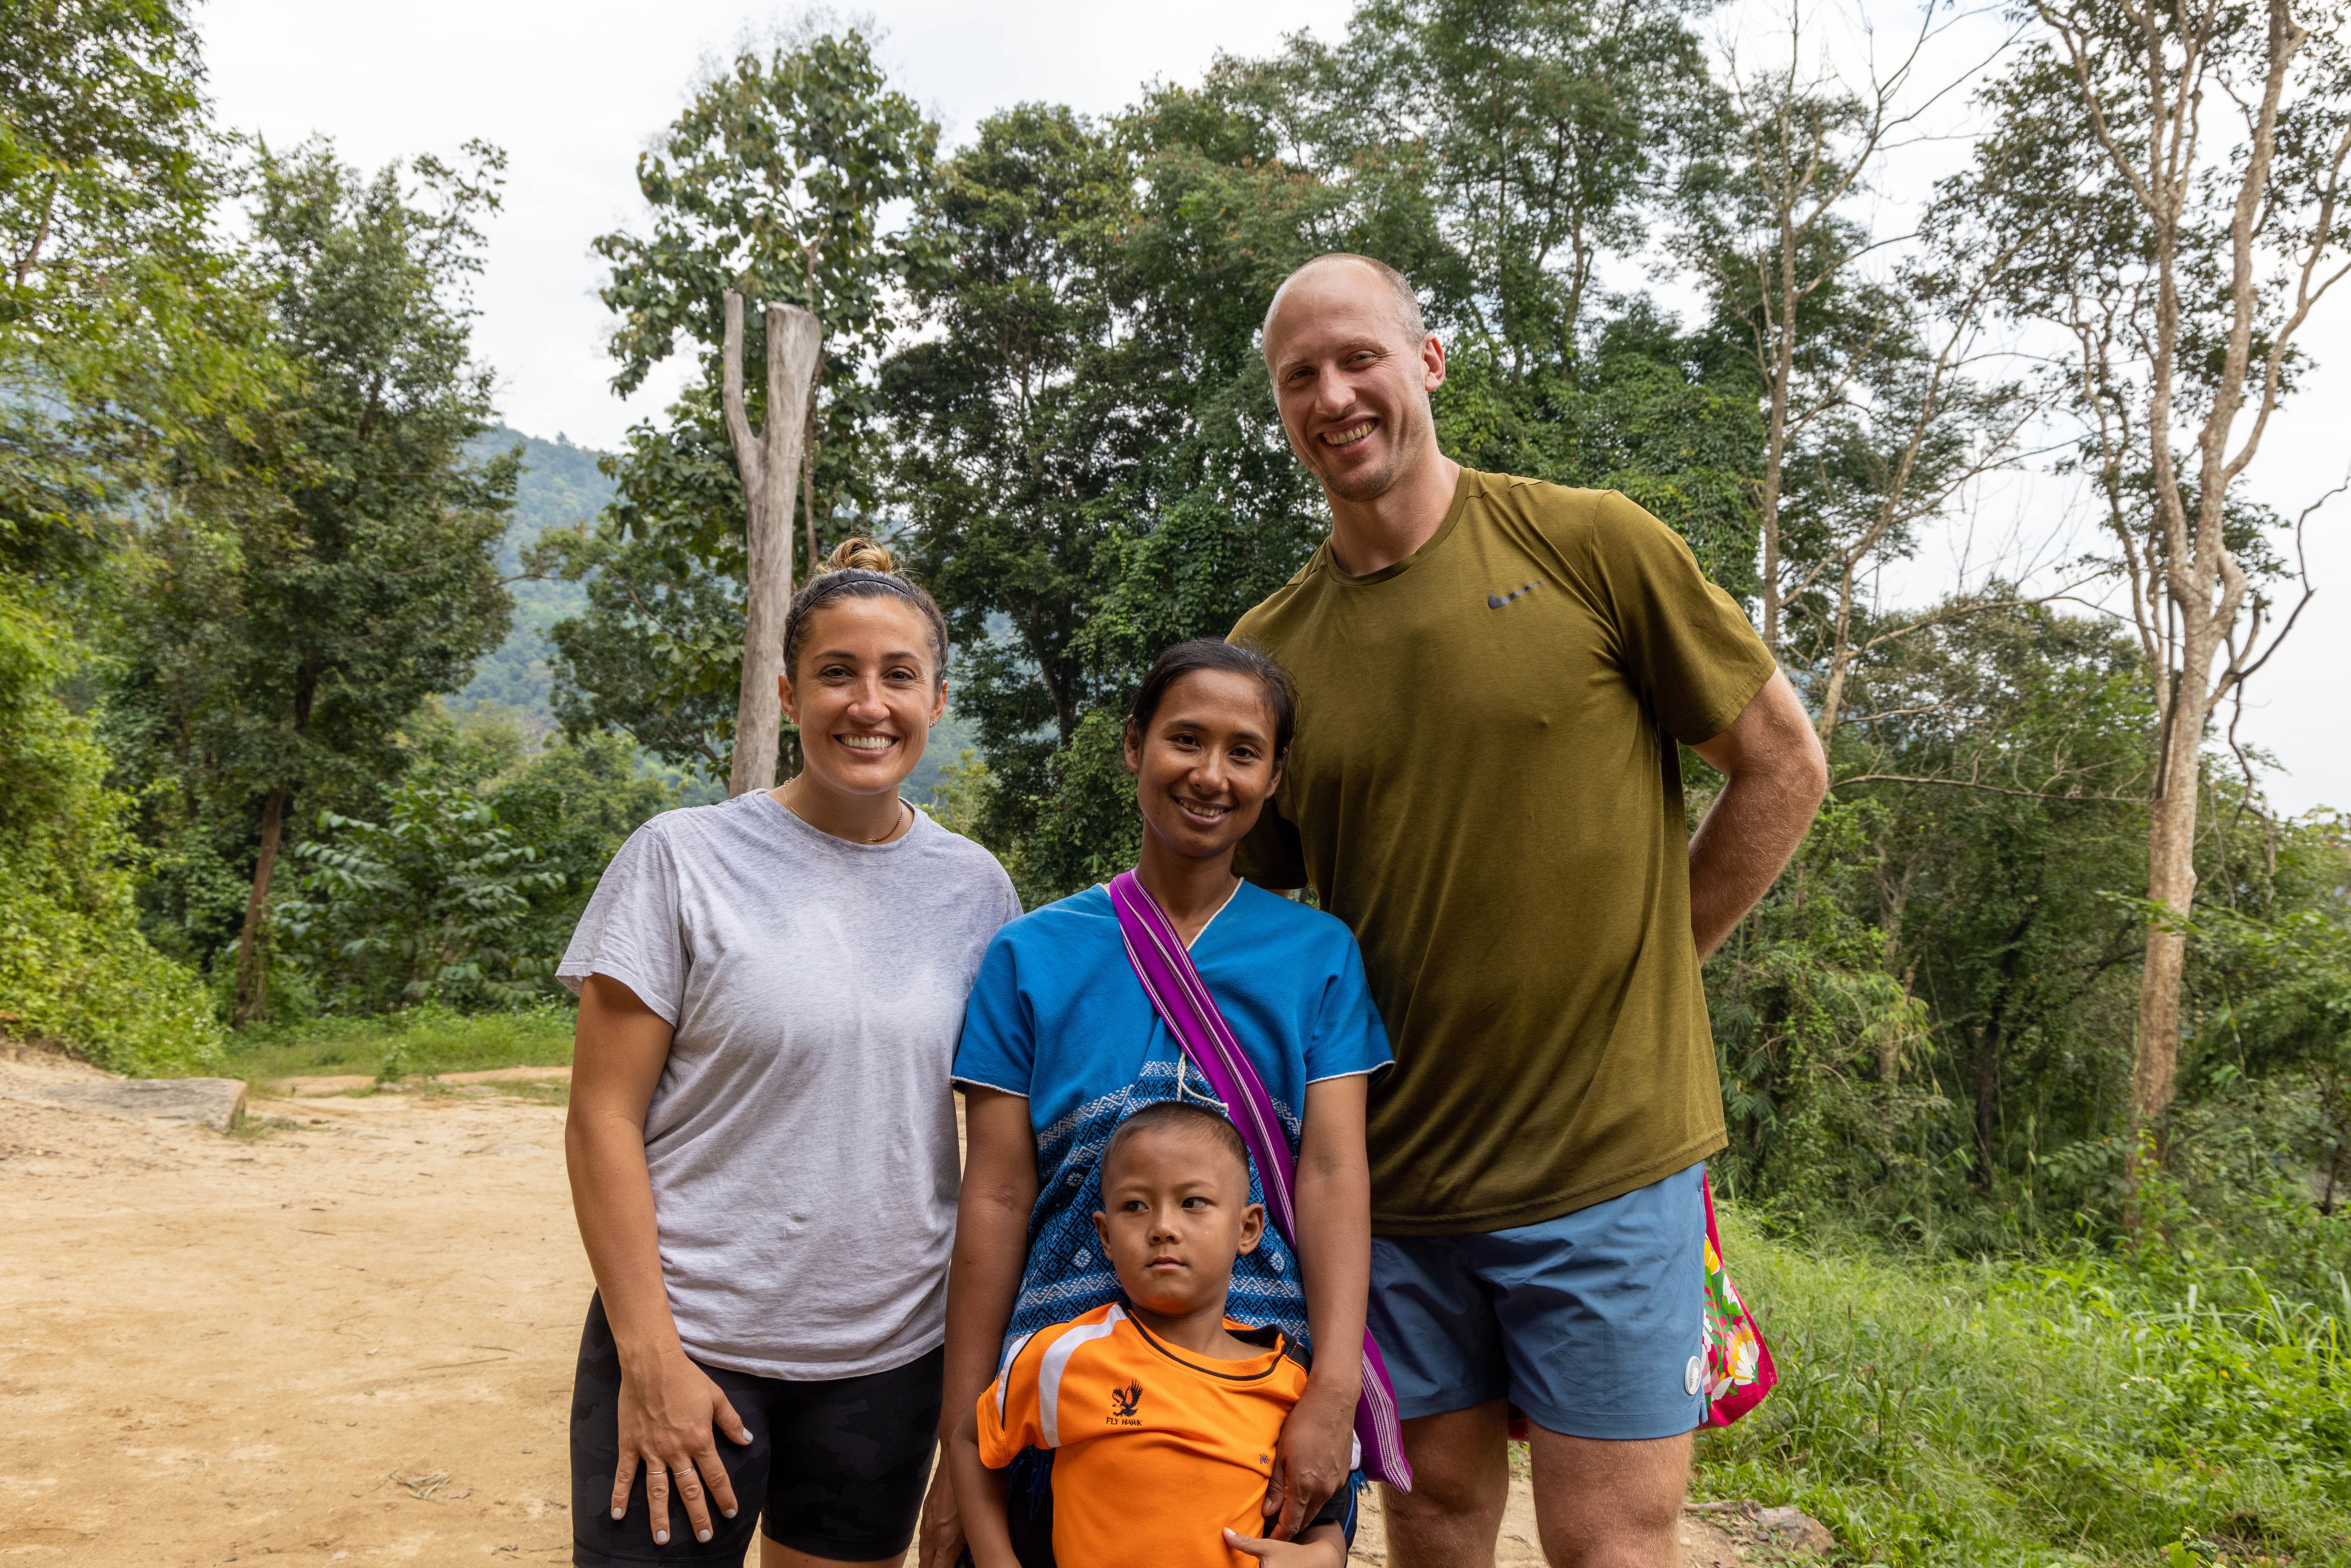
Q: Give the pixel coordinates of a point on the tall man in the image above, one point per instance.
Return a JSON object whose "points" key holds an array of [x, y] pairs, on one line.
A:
{"points": [[1493, 673]]}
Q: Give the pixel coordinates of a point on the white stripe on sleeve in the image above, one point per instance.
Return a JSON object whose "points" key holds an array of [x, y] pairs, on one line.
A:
{"points": [[1004, 1372], [1057, 1359]]}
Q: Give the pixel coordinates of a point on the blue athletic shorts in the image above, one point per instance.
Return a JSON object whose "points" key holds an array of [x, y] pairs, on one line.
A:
{"points": [[1592, 1323]]}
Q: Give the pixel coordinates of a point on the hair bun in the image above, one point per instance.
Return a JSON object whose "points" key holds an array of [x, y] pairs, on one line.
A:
{"points": [[861, 554]]}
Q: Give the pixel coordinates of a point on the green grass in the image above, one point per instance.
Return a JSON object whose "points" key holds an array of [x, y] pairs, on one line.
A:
{"points": [[2000, 1414], [404, 1044]]}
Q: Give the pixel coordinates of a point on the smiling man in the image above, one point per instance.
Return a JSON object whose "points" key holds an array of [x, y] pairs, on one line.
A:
{"points": [[1493, 673]]}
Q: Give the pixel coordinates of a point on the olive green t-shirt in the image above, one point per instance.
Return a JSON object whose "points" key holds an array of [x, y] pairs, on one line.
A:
{"points": [[1485, 787]]}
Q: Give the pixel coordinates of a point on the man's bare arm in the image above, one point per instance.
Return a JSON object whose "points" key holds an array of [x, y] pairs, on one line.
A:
{"points": [[1774, 778]]}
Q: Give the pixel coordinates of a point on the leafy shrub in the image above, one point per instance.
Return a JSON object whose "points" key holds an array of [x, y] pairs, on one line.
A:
{"points": [[2085, 1412], [432, 905], [84, 978], [74, 969], [467, 888]]}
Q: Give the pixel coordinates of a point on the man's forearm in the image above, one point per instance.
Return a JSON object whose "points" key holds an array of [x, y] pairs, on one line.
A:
{"points": [[1739, 851], [1774, 778]]}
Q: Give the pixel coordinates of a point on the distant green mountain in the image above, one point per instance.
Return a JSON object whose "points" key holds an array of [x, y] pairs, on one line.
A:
{"points": [[560, 486]]}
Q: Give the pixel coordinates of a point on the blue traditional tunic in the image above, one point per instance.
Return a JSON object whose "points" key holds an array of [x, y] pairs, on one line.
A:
{"points": [[1057, 1015]]}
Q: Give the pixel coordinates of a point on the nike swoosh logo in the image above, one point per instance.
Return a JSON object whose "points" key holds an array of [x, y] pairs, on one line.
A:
{"points": [[1496, 601]]}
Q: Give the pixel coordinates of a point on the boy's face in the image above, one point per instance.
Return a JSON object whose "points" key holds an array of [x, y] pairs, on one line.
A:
{"points": [[1175, 1213]]}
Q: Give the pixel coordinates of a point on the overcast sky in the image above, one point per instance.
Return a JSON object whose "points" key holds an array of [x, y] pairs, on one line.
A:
{"points": [[573, 91]]}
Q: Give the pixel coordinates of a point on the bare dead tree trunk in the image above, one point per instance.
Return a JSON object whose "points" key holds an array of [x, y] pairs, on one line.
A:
{"points": [[251, 968], [1841, 652], [770, 464]]}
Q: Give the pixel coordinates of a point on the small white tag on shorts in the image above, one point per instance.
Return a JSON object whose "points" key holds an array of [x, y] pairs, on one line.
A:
{"points": [[1692, 1374]]}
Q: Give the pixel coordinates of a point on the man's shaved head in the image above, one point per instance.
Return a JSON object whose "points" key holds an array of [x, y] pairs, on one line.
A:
{"points": [[1399, 287]]}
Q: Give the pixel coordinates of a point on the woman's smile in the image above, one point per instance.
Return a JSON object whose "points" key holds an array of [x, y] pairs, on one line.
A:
{"points": [[1208, 812], [872, 744]]}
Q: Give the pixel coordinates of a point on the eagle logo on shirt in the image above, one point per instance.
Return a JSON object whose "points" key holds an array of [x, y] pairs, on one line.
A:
{"points": [[1122, 1401]]}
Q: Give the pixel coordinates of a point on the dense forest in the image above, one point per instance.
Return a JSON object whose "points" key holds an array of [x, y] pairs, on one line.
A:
{"points": [[324, 696]]}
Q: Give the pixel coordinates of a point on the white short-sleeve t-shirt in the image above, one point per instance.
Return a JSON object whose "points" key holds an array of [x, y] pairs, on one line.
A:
{"points": [[801, 1139]]}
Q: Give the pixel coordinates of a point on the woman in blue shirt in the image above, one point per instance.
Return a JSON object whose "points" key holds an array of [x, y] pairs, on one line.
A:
{"points": [[1059, 1045]]}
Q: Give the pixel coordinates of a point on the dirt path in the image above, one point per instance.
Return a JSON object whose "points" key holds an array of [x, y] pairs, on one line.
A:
{"points": [[345, 1339], [223, 1350]]}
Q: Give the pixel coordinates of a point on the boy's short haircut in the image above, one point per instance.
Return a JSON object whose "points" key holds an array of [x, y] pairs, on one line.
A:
{"points": [[1184, 1115]]}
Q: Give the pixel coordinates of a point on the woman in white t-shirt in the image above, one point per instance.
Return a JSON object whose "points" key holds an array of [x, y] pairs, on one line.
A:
{"points": [[762, 1138]]}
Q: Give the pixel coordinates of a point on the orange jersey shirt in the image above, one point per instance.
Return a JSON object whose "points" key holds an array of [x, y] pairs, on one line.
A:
{"points": [[1159, 1450]]}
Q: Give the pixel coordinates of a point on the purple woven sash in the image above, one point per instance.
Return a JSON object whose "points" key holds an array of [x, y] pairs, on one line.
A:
{"points": [[1175, 989]]}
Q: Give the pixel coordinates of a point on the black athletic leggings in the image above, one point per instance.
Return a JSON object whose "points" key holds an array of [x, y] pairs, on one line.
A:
{"points": [[836, 1469]]}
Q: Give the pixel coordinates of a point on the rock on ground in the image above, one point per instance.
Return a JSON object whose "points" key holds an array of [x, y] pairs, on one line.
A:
{"points": [[213, 1102]]}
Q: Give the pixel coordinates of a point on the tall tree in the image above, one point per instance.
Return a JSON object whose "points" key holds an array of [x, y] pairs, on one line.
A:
{"points": [[2185, 165], [122, 328], [1550, 129], [1542, 139], [1091, 449], [1022, 430], [120, 325], [283, 648], [1772, 225], [772, 185]]}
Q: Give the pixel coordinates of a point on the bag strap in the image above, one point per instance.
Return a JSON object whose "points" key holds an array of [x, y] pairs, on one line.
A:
{"points": [[1181, 998]]}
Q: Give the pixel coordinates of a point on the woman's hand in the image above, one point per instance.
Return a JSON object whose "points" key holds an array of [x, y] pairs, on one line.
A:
{"points": [[939, 1541], [667, 1409], [1325, 1546], [1314, 1455]]}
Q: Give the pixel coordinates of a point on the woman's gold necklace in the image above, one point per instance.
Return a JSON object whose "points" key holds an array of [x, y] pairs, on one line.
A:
{"points": [[905, 814]]}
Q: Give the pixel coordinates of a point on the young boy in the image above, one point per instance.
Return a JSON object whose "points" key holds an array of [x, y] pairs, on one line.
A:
{"points": [[1163, 1411]]}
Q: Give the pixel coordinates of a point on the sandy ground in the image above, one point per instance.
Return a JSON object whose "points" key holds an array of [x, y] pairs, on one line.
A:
{"points": [[226, 1349], [346, 1335]]}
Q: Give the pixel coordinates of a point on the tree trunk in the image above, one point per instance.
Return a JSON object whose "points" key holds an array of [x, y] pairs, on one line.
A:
{"points": [[770, 464], [1840, 662], [1987, 1100], [252, 965], [807, 501], [2171, 882]]}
